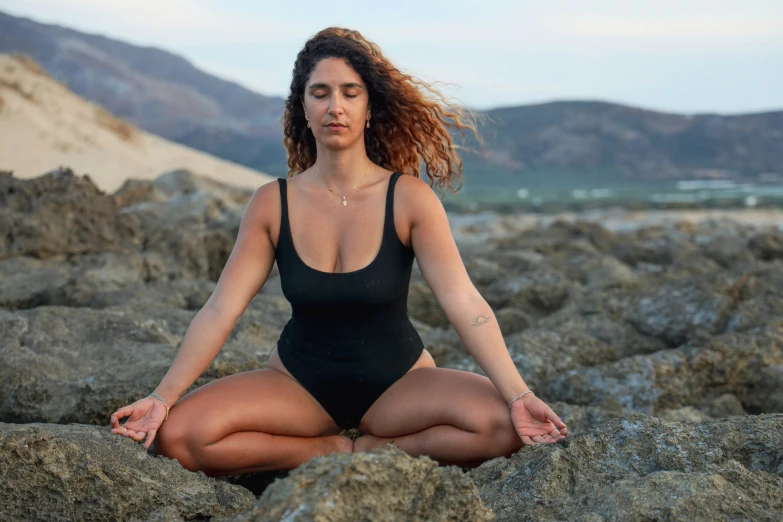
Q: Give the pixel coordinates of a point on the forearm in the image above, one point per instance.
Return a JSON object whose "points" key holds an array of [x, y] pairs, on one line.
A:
{"points": [[476, 325], [202, 342]]}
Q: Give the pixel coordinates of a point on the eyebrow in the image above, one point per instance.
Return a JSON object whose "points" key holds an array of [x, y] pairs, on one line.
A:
{"points": [[326, 86]]}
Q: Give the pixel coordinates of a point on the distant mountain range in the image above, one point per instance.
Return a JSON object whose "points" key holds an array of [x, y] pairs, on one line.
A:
{"points": [[584, 142]]}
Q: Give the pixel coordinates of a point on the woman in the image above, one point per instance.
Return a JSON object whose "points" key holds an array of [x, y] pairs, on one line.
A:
{"points": [[356, 129]]}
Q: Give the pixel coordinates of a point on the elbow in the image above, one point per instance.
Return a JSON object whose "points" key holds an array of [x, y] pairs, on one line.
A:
{"points": [[220, 316]]}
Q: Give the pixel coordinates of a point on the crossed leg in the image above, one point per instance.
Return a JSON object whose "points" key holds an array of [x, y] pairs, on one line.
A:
{"points": [[452, 416], [257, 420]]}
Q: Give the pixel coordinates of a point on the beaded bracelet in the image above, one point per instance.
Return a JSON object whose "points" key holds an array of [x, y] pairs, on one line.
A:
{"points": [[164, 402], [518, 396]]}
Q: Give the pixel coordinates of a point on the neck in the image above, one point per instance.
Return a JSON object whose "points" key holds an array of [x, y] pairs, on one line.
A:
{"points": [[343, 169]]}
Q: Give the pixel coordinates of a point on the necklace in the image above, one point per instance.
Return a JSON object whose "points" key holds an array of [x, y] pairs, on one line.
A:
{"points": [[345, 203]]}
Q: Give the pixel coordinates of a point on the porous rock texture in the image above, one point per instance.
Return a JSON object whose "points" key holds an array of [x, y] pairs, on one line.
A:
{"points": [[643, 468], [384, 484], [648, 341], [81, 472]]}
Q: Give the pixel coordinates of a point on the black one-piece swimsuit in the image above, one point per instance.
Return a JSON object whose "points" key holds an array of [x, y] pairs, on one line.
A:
{"points": [[349, 337]]}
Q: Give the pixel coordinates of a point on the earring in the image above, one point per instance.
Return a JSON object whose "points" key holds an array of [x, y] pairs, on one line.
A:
{"points": [[368, 123], [308, 124]]}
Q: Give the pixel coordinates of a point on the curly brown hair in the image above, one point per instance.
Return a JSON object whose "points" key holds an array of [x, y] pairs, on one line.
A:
{"points": [[408, 126]]}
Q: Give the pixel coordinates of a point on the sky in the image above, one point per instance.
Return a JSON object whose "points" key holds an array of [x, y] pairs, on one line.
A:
{"points": [[686, 56]]}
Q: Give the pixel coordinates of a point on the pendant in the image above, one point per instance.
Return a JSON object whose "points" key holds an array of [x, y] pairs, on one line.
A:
{"points": [[344, 202]]}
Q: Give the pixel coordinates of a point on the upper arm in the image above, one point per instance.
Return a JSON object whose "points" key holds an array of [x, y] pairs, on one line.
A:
{"points": [[252, 257], [436, 252]]}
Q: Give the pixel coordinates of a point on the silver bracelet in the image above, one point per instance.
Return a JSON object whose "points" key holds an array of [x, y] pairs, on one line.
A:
{"points": [[518, 396]]}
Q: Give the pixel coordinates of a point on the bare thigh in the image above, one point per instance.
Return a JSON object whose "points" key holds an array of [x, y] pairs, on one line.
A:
{"points": [[429, 397], [263, 400]]}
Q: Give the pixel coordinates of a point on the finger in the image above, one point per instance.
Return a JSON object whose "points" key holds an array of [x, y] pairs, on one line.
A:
{"points": [[135, 435], [541, 439], [150, 437], [527, 441], [552, 416], [125, 411]]}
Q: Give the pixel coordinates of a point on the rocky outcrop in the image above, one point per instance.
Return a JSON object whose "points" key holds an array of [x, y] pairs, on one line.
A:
{"points": [[59, 213], [64, 364], [642, 468], [745, 365], [384, 484], [78, 472], [680, 322]]}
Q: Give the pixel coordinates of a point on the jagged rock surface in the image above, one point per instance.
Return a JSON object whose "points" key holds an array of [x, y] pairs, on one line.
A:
{"points": [[384, 484], [78, 472], [642, 468]]}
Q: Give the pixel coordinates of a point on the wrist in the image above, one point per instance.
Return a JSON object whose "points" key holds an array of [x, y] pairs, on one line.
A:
{"points": [[157, 397], [520, 396], [167, 396]]}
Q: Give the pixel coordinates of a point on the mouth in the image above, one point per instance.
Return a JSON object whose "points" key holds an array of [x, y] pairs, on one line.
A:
{"points": [[335, 125]]}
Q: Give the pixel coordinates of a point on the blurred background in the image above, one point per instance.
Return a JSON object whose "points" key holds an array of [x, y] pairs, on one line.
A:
{"points": [[665, 104]]}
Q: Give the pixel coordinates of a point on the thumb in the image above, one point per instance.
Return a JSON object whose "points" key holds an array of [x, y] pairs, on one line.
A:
{"points": [[559, 424]]}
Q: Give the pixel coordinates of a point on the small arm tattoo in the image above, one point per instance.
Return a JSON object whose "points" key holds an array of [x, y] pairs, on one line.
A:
{"points": [[480, 319]]}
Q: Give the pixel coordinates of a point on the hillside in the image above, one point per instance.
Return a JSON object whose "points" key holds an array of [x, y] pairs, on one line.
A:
{"points": [[628, 143], [45, 125], [562, 143]]}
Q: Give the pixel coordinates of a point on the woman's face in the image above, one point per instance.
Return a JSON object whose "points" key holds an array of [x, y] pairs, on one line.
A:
{"points": [[336, 94]]}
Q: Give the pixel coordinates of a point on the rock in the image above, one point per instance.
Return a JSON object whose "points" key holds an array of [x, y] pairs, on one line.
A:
{"points": [[381, 484], [62, 364], [728, 251], [511, 320], [758, 295], [684, 414], [96, 281], [78, 472], [725, 405], [581, 418], [746, 365], [180, 197], [767, 246], [642, 468], [677, 312], [601, 323], [538, 293], [483, 271], [540, 355], [59, 213], [423, 305], [599, 272]]}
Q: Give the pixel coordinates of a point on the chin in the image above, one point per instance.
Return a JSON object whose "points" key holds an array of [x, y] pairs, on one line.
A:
{"points": [[338, 142]]}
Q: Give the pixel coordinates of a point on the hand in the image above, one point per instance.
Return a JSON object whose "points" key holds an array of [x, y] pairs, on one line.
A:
{"points": [[535, 422], [146, 416]]}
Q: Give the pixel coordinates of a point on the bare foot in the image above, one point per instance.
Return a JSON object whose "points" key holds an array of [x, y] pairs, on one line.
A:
{"points": [[367, 442], [343, 444]]}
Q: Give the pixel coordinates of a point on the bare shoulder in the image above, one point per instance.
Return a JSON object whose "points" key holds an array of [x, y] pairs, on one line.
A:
{"points": [[418, 199], [263, 209]]}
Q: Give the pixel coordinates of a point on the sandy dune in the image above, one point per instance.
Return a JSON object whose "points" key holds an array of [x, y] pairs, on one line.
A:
{"points": [[44, 125]]}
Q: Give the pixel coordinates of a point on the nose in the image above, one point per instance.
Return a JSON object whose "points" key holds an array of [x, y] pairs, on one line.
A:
{"points": [[335, 104]]}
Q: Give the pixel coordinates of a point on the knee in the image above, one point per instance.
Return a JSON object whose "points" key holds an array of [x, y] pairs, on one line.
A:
{"points": [[500, 432], [172, 441]]}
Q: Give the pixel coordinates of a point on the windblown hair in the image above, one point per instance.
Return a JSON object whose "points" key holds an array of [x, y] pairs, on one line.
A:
{"points": [[407, 126]]}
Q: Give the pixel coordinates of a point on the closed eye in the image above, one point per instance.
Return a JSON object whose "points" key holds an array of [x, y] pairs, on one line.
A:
{"points": [[323, 96]]}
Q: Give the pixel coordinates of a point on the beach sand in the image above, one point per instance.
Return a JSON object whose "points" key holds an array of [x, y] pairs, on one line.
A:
{"points": [[44, 125]]}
